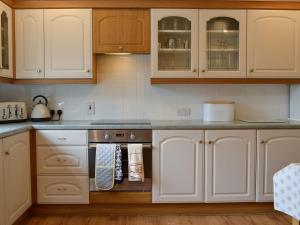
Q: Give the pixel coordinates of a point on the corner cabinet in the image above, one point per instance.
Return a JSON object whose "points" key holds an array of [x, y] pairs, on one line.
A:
{"points": [[16, 176], [276, 149], [6, 41], [54, 44], [174, 38], [177, 166], [273, 44], [222, 38], [121, 30], [230, 165]]}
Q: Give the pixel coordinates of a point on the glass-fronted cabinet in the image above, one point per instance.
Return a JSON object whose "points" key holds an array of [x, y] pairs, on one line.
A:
{"points": [[6, 40], [174, 38], [222, 43]]}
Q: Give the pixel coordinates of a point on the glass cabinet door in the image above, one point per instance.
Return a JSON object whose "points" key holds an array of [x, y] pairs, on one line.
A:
{"points": [[6, 41], [222, 51], [174, 43]]}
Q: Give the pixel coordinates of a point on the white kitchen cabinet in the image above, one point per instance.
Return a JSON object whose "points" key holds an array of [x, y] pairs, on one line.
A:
{"points": [[177, 166], [222, 48], [276, 149], [273, 48], [68, 45], [63, 189], [53, 43], [6, 41], [30, 44], [2, 212], [230, 165], [174, 42], [62, 167], [17, 178], [62, 160]]}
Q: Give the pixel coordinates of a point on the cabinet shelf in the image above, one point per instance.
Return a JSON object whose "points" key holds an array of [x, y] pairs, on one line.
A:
{"points": [[171, 50], [223, 50], [223, 31], [174, 31]]}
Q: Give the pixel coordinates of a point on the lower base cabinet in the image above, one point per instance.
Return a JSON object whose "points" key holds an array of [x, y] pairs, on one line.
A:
{"points": [[177, 166], [63, 189], [230, 165], [276, 149], [15, 185]]}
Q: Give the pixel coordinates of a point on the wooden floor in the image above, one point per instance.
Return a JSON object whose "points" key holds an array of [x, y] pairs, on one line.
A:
{"points": [[267, 219]]}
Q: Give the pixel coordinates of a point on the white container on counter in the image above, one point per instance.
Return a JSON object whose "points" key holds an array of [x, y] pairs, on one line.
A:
{"points": [[221, 111]]}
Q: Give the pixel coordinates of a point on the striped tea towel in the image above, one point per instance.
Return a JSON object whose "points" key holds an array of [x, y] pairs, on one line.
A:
{"points": [[118, 166], [105, 166], [135, 162]]}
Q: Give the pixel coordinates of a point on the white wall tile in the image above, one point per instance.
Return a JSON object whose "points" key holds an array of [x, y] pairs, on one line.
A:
{"points": [[124, 91]]}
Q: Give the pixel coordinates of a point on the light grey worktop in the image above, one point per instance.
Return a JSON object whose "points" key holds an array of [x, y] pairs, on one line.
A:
{"points": [[15, 128]]}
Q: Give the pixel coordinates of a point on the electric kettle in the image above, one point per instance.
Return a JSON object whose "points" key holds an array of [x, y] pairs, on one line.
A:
{"points": [[40, 112]]}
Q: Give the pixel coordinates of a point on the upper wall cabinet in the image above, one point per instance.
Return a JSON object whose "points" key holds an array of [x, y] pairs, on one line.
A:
{"points": [[273, 43], [30, 44], [121, 30], [68, 46], [54, 44], [174, 39], [6, 58], [222, 37]]}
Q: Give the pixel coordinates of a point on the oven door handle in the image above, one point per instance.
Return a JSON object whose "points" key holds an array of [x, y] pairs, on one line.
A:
{"points": [[92, 146]]}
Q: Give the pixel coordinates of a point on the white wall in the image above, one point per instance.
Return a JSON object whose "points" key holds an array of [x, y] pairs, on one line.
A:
{"points": [[124, 91], [295, 102]]}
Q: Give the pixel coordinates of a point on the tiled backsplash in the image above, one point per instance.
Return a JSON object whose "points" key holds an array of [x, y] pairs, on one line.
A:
{"points": [[124, 92]]}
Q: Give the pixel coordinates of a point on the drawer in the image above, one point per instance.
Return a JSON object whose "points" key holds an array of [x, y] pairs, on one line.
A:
{"points": [[61, 137], [63, 190], [62, 160]]}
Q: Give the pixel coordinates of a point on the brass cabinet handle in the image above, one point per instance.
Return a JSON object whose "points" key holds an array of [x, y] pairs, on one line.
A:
{"points": [[252, 70], [262, 142], [7, 153], [120, 48], [203, 71], [201, 142], [210, 142], [194, 70]]}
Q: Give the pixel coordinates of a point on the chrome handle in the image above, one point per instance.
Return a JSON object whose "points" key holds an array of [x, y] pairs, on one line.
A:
{"points": [[132, 136], [62, 139], [120, 48], [7, 153], [203, 71]]}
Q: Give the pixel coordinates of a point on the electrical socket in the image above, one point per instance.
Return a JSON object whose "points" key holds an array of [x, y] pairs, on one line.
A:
{"points": [[91, 108], [184, 112]]}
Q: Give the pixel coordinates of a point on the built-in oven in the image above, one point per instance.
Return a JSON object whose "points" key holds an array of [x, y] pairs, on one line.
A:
{"points": [[123, 137]]}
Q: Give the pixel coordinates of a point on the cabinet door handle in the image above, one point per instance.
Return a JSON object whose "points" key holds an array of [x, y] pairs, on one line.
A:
{"points": [[120, 48], [252, 70], [201, 142], [39, 71], [203, 71], [210, 142], [262, 142], [7, 153], [88, 70], [62, 139], [194, 70]]}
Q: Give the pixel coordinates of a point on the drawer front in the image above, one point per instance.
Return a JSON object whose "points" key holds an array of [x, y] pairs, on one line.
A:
{"points": [[63, 190], [62, 160], [61, 137]]}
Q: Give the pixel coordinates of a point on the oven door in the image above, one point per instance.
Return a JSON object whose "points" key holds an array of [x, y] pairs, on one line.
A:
{"points": [[125, 185]]}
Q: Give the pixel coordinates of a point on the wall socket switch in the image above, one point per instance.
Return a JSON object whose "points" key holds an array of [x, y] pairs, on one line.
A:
{"points": [[184, 112], [91, 108]]}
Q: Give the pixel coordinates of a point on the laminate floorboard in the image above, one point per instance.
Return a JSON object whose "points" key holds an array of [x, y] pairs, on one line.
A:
{"points": [[266, 219]]}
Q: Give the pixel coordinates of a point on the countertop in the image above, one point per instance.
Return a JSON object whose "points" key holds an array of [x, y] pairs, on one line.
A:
{"points": [[15, 128]]}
